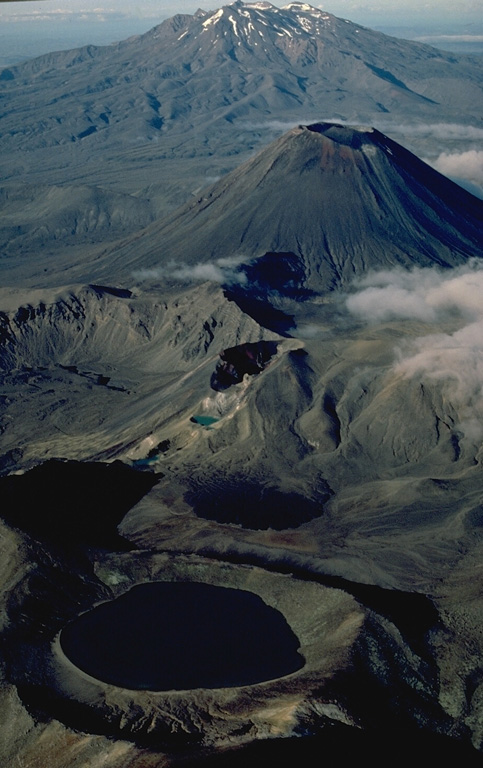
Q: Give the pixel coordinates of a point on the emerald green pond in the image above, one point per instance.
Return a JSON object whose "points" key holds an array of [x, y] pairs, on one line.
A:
{"points": [[205, 421]]}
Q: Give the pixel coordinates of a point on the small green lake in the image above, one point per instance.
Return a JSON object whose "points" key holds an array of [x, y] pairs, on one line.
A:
{"points": [[146, 462], [204, 421]]}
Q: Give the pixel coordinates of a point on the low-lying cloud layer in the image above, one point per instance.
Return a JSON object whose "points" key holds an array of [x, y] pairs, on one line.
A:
{"points": [[224, 271], [453, 357], [442, 131], [464, 167], [420, 294]]}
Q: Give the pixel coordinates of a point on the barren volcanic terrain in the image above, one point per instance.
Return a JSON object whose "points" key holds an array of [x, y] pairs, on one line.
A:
{"points": [[241, 443]]}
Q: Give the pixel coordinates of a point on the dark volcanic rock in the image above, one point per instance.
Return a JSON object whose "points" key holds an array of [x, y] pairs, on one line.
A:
{"points": [[339, 744], [249, 358], [281, 274], [74, 503], [256, 507]]}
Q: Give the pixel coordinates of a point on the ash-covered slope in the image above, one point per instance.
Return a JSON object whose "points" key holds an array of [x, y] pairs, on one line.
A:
{"points": [[50, 218], [188, 81], [96, 365], [335, 200]]}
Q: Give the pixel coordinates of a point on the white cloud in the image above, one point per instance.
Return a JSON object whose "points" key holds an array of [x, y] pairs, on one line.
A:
{"points": [[435, 38], [420, 294], [75, 10], [453, 358], [455, 362], [223, 271], [462, 167], [43, 14], [444, 131], [412, 10]]}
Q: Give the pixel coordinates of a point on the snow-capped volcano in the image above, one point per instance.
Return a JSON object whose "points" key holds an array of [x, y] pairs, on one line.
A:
{"points": [[208, 89], [204, 72], [260, 31], [297, 33], [261, 23]]}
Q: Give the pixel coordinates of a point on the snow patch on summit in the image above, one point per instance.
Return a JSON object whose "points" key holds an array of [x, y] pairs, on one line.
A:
{"points": [[305, 23], [213, 19], [234, 25], [261, 6], [299, 7]]}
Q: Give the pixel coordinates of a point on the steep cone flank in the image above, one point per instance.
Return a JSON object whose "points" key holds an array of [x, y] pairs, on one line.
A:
{"points": [[343, 199]]}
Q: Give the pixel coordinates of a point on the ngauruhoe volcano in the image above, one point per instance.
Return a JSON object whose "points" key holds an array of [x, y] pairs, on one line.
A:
{"points": [[340, 199]]}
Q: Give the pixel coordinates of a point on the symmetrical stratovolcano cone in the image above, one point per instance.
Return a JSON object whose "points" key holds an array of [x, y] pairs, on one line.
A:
{"points": [[342, 199]]}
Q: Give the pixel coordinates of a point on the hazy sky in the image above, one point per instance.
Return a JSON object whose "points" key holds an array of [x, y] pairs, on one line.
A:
{"points": [[369, 12]]}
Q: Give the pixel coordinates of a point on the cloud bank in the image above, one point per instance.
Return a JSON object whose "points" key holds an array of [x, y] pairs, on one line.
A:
{"points": [[224, 271], [453, 357], [443, 131], [430, 295], [462, 167]]}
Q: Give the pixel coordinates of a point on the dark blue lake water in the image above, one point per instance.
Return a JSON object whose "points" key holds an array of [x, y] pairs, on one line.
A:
{"points": [[177, 636]]}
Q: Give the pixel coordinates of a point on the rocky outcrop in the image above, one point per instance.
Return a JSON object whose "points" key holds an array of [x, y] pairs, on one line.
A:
{"points": [[236, 362]]}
